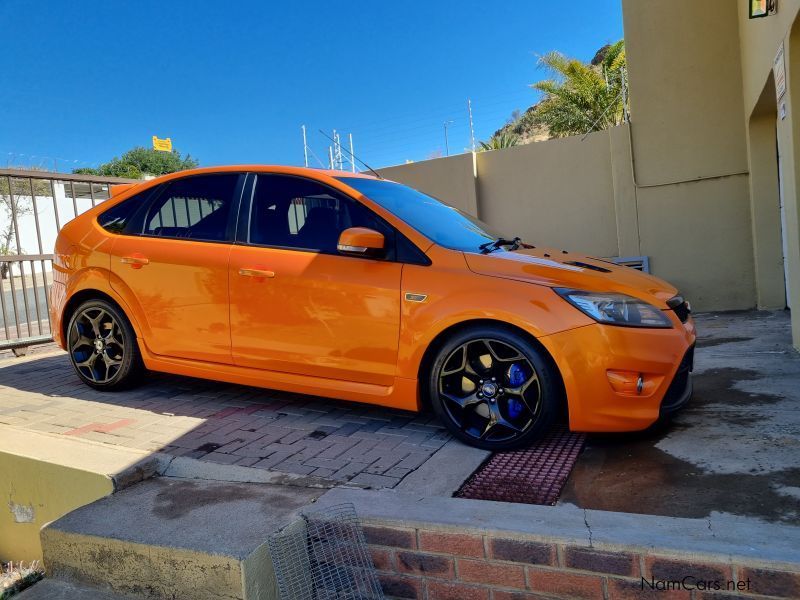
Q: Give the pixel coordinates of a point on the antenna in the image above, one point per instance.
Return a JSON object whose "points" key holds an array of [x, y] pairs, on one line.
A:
{"points": [[373, 171]]}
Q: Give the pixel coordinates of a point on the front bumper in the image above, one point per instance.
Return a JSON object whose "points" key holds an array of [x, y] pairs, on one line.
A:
{"points": [[586, 355]]}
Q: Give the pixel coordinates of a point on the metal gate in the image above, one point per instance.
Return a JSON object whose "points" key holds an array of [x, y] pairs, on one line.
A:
{"points": [[33, 207]]}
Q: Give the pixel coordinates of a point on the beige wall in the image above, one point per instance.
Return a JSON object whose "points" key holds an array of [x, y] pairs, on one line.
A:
{"points": [[789, 143], [764, 201], [451, 179], [760, 40], [524, 191], [579, 194], [685, 89]]}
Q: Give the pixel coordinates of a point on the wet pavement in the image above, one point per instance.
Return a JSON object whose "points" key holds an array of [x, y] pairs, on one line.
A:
{"points": [[734, 449]]}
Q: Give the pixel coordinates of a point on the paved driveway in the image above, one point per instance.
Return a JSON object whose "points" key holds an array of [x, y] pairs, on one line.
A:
{"points": [[221, 423]]}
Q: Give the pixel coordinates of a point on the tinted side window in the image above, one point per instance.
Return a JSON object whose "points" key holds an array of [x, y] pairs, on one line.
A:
{"points": [[299, 213], [195, 207], [117, 217]]}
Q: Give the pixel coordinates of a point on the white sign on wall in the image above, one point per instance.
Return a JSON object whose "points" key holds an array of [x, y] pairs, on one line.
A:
{"points": [[779, 69]]}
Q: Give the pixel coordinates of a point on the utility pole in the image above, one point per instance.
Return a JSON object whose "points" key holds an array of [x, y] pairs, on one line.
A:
{"points": [[471, 127], [446, 144], [352, 154], [305, 146]]}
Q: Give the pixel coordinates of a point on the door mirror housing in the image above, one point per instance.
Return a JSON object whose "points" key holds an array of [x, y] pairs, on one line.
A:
{"points": [[361, 241]]}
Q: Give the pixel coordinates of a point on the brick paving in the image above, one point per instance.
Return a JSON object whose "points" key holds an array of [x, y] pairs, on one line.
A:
{"points": [[222, 423]]}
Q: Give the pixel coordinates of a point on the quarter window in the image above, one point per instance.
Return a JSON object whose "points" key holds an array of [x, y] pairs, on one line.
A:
{"points": [[116, 218], [195, 207], [292, 212]]}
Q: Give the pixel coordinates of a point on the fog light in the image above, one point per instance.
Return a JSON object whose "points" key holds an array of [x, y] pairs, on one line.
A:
{"points": [[626, 382]]}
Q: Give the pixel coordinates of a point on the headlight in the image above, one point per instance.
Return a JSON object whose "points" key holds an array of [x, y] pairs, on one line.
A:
{"points": [[615, 309]]}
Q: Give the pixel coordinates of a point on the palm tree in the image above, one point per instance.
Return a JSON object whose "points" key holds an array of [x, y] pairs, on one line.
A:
{"points": [[582, 97], [500, 140]]}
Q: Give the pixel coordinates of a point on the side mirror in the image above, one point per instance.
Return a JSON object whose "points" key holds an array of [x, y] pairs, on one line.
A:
{"points": [[360, 241]]}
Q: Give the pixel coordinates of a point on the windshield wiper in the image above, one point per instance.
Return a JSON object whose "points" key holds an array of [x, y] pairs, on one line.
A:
{"points": [[498, 243]]}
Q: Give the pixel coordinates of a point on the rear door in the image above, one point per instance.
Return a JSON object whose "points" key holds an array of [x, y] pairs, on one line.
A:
{"points": [[297, 305], [173, 267]]}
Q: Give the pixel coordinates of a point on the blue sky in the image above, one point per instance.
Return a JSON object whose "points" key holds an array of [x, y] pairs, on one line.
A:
{"points": [[232, 82]]}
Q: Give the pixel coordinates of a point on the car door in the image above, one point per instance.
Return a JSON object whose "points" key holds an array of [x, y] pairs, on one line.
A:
{"points": [[297, 305], [172, 266]]}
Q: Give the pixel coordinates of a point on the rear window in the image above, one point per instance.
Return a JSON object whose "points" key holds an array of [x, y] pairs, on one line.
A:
{"points": [[195, 207]]}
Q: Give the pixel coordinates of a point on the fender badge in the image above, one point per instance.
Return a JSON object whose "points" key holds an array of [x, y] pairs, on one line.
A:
{"points": [[416, 297]]}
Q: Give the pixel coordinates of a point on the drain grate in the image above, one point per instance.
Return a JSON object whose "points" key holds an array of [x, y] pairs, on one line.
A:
{"points": [[534, 475]]}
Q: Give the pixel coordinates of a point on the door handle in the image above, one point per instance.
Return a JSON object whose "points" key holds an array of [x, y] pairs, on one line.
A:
{"points": [[136, 261], [256, 272]]}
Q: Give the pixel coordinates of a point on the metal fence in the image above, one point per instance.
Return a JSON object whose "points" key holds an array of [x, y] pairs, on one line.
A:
{"points": [[34, 205]]}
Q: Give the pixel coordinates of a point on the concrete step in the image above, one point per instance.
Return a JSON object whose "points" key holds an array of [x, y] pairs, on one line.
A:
{"points": [[171, 538], [56, 589]]}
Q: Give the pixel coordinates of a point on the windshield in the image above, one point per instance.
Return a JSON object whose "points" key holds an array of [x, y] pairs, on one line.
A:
{"points": [[443, 224]]}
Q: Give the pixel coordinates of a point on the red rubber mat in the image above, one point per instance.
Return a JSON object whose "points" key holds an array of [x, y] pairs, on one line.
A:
{"points": [[534, 475]]}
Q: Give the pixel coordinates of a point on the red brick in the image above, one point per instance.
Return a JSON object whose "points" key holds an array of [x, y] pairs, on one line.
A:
{"points": [[571, 585], [534, 553], [390, 536], [771, 583], [669, 569], [720, 596], [431, 565], [442, 590], [506, 595], [382, 558], [625, 589], [615, 563], [491, 573], [399, 586], [459, 544]]}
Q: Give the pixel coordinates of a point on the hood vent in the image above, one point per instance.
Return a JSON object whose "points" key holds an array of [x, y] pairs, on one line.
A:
{"points": [[583, 265]]}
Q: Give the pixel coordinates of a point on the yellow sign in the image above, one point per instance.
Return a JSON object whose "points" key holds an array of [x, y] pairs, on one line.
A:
{"points": [[164, 145]]}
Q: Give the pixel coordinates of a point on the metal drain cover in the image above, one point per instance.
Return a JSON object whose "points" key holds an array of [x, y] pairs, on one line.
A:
{"points": [[533, 475]]}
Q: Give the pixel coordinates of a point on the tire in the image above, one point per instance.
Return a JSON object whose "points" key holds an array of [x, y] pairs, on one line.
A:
{"points": [[102, 347], [500, 413]]}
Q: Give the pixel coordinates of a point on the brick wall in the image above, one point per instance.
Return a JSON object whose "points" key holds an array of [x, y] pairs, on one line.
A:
{"points": [[446, 565]]}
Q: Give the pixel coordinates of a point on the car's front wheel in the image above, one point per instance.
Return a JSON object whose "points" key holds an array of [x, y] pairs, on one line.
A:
{"points": [[102, 346], [493, 389]]}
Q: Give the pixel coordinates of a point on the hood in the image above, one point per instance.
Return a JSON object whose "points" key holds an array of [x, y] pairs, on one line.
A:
{"points": [[558, 268]]}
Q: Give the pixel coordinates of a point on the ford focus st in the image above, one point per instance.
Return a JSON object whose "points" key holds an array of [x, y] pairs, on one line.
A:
{"points": [[362, 289]]}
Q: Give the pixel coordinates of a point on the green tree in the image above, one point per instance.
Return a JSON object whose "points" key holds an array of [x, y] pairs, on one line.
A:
{"points": [[502, 139], [582, 97], [139, 161]]}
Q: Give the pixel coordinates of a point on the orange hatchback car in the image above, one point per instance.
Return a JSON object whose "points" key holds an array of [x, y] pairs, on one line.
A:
{"points": [[362, 289]]}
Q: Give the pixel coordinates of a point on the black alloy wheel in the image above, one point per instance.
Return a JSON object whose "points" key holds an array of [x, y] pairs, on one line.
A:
{"points": [[493, 389]]}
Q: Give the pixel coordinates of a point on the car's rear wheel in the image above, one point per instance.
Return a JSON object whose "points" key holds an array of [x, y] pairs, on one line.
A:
{"points": [[493, 389], [102, 346]]}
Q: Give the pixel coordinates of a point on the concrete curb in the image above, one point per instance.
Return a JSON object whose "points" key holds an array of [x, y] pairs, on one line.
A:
{"points": [[444, 472]]}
